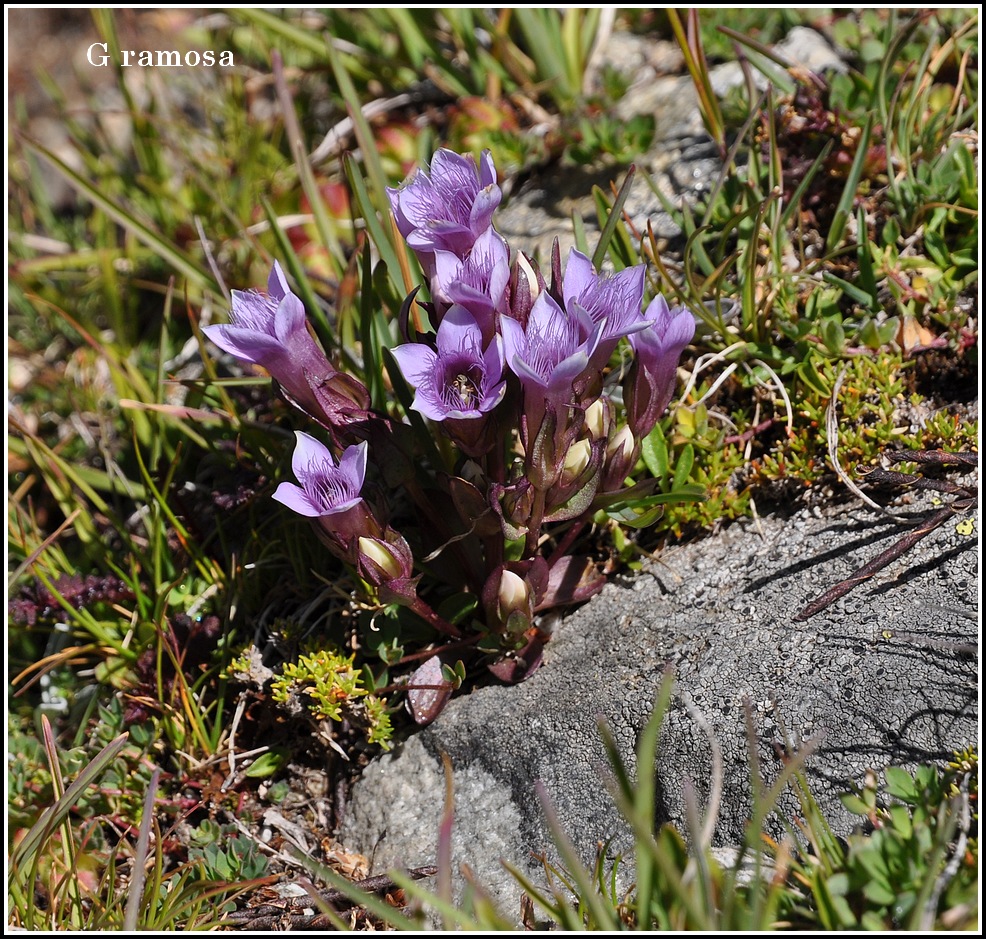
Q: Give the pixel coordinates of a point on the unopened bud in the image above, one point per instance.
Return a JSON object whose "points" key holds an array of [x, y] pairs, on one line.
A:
{"points": [[621, 446], [382, 556], [576, 460], [595, 419], [621, 454], [525, 265], [514, 594]]}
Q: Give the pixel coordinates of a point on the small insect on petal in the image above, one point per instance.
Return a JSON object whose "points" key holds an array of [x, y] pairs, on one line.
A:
{"points": [[428, 691]]}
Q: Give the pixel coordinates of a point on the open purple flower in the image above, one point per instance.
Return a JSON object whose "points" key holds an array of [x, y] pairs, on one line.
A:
{"points": [[264, 329], [553, 352], [271, 331], [478, 281], [448, 209], [650, 381], [457, 379], [612, 299], [552, 358], [327, 488]]}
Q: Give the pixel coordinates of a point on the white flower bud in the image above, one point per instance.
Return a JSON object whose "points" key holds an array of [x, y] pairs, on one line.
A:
{"points": [[514, 594], [621, 446], [576, 460], [376, 551], [595, 419]]}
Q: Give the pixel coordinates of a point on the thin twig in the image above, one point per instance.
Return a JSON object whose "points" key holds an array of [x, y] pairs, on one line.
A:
{"points": [[779, 385], [703, 362], [878, 563], [335, 141], [210, 259], [139, 874], [237, 714], [881, 476], [934, 457], [717, 774], [266, 914]]}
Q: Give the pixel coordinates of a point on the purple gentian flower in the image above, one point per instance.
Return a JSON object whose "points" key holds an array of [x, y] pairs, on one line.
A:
{"points": [[266, 329], [326, 488], [554, 350], [650, 381], [478, 281], [614, 299], [271, 331], [552, 358], [458, 379], [448, 209]]}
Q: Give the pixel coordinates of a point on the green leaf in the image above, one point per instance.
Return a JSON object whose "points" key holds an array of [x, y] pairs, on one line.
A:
{"points": [[900, 784], [269, 763], [654, 451], [636, 517], [615, 214], [144, 233], [854, 804], [879, 893], [833, 334], [838, 885], [457, 608], [844, 208], [808, 372], [683, 468], [900, 816], [55, 814], [373, 224], [864, 298]]}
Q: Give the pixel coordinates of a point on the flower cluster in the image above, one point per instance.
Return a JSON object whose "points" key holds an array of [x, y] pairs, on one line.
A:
{"points": [[515, 372]]}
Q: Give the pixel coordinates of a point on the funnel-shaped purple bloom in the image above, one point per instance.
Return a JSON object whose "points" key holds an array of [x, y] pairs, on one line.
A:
{"points": [[448, 208], [613, 299], [271, 331], [478, 281], [326, 488], [263, 329], [552, 358], [650, 382], [553, 352], [458, 379]]}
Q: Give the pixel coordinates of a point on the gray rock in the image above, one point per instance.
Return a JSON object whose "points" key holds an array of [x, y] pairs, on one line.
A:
{"points": [[805, 48], [681, 164], [887, 675]]}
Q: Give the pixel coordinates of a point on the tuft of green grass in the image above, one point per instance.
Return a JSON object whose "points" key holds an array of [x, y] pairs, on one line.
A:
{"points": [[914, 867]]}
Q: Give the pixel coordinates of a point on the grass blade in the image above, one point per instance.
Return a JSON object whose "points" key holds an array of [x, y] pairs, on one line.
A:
{"points": [[143, 233], [55, 814], [844, 208]]}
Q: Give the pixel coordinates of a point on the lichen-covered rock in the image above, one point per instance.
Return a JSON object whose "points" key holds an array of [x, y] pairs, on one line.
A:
{"points": [[887, 675]]}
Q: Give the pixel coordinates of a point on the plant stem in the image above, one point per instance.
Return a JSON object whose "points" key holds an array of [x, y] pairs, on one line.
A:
{"points": [[432, 618], [568, 539], [534, 526]]}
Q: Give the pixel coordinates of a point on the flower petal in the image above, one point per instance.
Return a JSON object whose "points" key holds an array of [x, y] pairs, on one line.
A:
{"points": [[579, 277], [296, 499], [246, 344], [310, 455], [458, 332], [416, 361], [426, 403], [352, 465], [252, 310], [277, 283], [487, 171]]}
